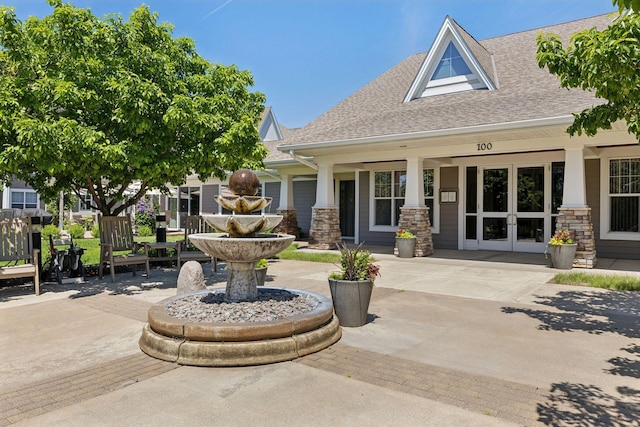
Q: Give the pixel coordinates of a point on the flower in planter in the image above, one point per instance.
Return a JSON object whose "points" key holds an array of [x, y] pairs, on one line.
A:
{"points": [[561, 237], [404, 234]]}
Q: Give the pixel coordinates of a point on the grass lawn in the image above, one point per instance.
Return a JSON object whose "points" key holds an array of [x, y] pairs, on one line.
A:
{"points": [[91, 247], [620, 283], [292, 252], [92, 251]]}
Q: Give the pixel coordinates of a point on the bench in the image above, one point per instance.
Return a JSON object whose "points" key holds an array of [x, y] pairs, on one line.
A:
{"points": [[17, 256], [188, 252], [116, 236]]}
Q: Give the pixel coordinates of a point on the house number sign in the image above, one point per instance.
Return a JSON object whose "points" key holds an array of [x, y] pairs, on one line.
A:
{"points": [[485, 147]]}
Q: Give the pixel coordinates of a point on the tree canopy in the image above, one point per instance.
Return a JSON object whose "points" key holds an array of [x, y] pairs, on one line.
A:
{"points": [[117, 107], [605, 62]]}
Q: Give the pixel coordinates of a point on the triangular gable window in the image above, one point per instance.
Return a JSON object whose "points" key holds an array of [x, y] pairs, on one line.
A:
{"points": [[452, 65]]}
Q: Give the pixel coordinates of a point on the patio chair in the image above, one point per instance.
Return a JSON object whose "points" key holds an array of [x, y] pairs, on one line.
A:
{"points": [[194, 224], [116, 235], [17, 257]]}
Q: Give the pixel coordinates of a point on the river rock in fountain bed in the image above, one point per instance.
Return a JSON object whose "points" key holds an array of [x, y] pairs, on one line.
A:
{"points": [[271, 304]]}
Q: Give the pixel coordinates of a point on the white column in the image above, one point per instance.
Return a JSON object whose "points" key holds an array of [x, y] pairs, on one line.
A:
{"points": [[414, 194], [6, 198], [324, 189], [286, 192], [574, 194]]}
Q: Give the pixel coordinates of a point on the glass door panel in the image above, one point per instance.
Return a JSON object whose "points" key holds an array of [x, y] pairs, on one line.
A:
{"points": [[495, 212], [530, 211]]}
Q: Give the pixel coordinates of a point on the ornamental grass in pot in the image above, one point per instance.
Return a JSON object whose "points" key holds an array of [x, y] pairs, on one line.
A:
{"points": [[351, 287]]}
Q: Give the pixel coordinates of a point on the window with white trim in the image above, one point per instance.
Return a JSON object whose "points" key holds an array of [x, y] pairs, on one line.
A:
{"points": [[389, 192], [84, 203], [24, 199], [624, 195], [451, 64]]}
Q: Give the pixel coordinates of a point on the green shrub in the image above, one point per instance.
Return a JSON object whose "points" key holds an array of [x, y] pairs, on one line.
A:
{"points": [[144, 231], [49, 230], [76, 231], [95, 231]]}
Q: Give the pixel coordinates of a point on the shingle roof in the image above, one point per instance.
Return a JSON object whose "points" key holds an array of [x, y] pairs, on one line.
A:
{"points": [[525, 92]]}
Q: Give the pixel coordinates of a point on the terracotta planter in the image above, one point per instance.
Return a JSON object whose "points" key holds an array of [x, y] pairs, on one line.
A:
{"points": [[562, 256], [351, 300], [406, 246]]}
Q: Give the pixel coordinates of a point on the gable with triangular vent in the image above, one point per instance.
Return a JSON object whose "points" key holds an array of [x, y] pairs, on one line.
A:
{"points": [[456, 62]]}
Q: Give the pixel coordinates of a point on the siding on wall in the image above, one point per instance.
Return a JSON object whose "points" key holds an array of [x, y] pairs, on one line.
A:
{"points": [[207, 199], [367, 236], [272, 189], [448, 236], [19, 184], [304, 197], [623, 249]]}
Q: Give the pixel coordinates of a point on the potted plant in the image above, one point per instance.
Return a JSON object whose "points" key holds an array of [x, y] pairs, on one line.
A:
{"points": [[261, 270], [351, 287], [562, 250], [405, 242]]}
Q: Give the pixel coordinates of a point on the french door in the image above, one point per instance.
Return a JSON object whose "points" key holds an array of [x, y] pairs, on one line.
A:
{"points": [[508, 208]]}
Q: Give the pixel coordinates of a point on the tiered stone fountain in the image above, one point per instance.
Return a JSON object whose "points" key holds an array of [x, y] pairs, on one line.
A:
{"points": [[227, 343]]}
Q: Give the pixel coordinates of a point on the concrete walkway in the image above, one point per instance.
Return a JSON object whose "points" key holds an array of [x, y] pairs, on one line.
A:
{"points": [[459, 338]]}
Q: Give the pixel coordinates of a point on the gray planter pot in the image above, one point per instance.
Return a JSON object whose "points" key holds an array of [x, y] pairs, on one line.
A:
{"points": [[261, 275], [351, 300], [562, 256], [406, 246]]}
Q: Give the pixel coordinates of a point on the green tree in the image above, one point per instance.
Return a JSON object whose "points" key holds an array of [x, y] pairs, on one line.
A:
{"points": [[605, 62], [117, 107]]}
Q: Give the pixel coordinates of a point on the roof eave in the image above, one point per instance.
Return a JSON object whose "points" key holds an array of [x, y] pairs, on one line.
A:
{"points": [[493, 127]]}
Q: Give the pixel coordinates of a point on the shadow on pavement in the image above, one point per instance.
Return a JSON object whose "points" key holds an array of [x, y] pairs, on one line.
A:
{"points": [[615, 312], [593, 312]]}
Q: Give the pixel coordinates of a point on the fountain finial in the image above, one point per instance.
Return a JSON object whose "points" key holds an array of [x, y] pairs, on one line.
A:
{"points": [[244, 182]]}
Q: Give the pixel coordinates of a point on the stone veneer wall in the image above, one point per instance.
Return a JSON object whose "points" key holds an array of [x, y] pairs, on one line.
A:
{"points": [[416, 219], [325, 228], [578, 222], [289, 223]]}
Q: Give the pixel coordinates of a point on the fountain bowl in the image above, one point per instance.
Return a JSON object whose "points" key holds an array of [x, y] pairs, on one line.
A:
{"points": [[241, 249], [243, 204], [242, 225]]}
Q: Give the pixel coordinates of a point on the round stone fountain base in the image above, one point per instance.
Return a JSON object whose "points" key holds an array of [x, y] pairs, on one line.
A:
{"points": [[239, 344]]}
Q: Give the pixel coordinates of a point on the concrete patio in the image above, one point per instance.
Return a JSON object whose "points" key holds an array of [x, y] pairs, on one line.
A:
{"points": [[459, 338]]}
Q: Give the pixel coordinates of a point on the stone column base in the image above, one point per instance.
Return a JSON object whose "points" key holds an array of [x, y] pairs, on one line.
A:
{"points": [[416, 219], [325, 228], [578, 222], [289, 223]]}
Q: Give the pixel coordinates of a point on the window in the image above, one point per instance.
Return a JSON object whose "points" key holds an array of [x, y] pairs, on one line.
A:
{"points": [[624, 195], [428, 177], [451, 64], [389, 192], [24, 199], [84, 203]]}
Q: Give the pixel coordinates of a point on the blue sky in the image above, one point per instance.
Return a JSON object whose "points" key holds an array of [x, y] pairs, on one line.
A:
{"points": [[308, 55]]}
